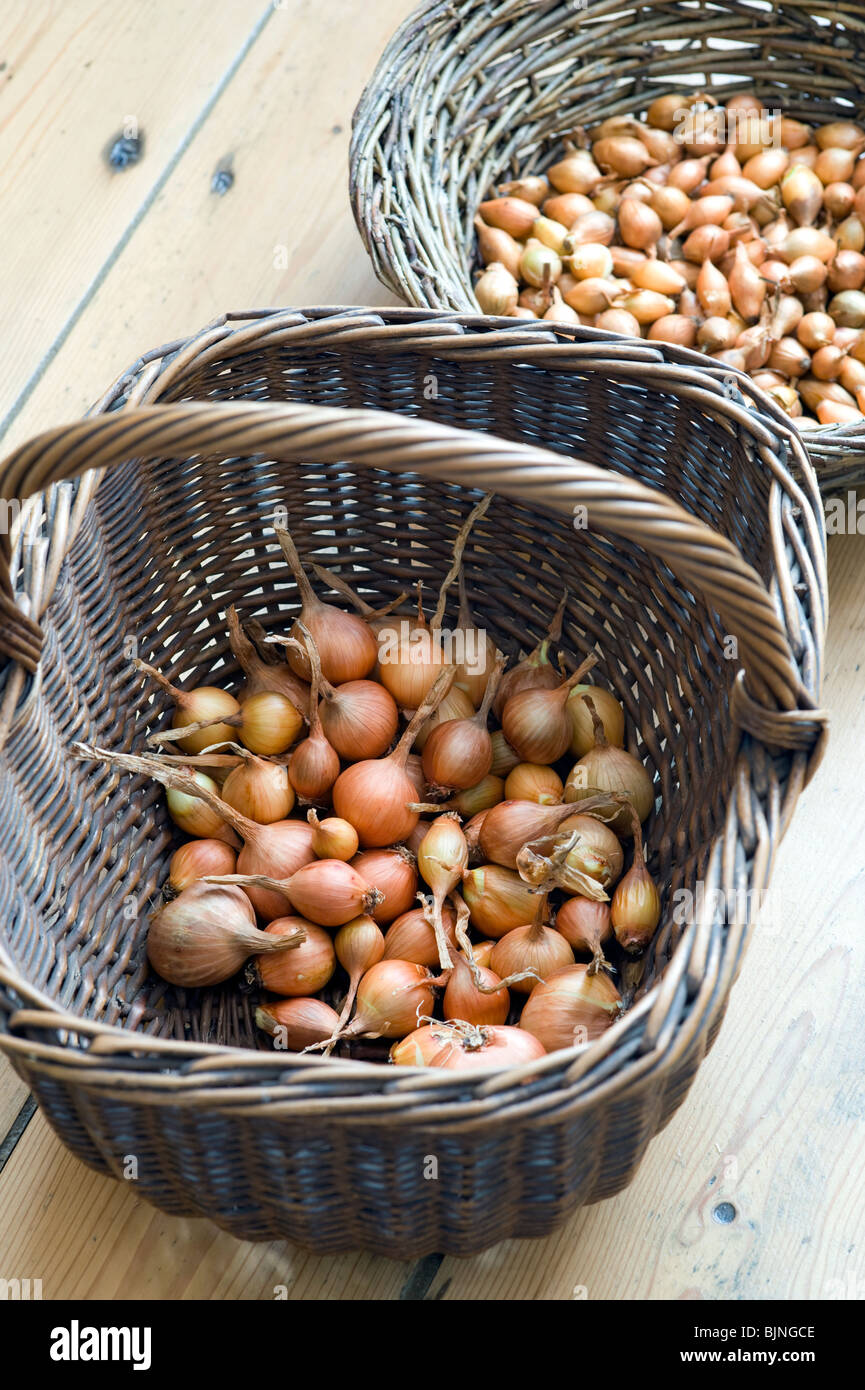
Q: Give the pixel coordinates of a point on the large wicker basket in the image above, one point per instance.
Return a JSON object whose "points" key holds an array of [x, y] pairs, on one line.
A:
{"points": [[697, 532], [466, 96]]}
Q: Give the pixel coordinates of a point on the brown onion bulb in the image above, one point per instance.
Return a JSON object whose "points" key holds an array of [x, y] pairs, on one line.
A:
{"points": [[302, 971], [715, 334], [706, 243], [640, 227], [465, 1047], [498, 900], [572, 1007], [328, 891], [497, 290], [679, 329], [359, 719], [359, 945], [689, 174], [346, 645], [259, 789], [576, 173], [463, 999], [609, 711], [847, 271], [815, 330], [590, 226], [459, 752], [788, 356], [374, 795], [534, 782], [666, 111], [392, 997], [713, 291], [536, 723], [193, 815], [586, 926], [618, 321], [537, 948], [204, 936], [567, 207], [583, 856], [608, 769], [489, 791], [295, 1024], [635, 909], [442, 859], [533, 188], [314, 765], [457, 704], [512, 215], [260, 674], [498, 247], [621, 154], [535, 671], [802, 193], [332, 838], [394, 873], [198, 858], [411, 937], [506, 828], [204, 706]]}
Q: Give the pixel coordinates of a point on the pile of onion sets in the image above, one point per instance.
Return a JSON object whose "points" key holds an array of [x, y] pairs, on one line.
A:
{"points": [[390, 836], [732, 230]]}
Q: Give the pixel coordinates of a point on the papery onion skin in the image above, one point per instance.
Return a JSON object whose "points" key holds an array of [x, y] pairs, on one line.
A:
{"points": [[498, 899], [333, 838], [609, 710], [330, 892], [430, 1046], [377, 810], [586, 926], [296, 1023], [203, 936], [412, 938], [571, 1007], [394, 873], [198, 858], [535, 947], [260, 790], [360, 719], [280, 850], [462, 999], [391, 998], [304, 970]]}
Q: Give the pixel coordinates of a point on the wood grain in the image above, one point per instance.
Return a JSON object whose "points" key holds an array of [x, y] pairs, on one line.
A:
{"points": [[773, 1123], [74, 75], [281, 234]]}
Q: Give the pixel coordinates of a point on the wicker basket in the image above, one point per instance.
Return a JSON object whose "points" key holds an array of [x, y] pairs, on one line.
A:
{"points": [[467, 96], [697, 530]]}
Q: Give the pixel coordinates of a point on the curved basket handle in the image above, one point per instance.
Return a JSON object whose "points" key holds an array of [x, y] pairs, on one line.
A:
{"points": [[704, 561]]}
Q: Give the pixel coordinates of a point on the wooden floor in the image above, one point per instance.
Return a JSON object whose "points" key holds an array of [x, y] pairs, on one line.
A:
{"points": [[99, 265]]}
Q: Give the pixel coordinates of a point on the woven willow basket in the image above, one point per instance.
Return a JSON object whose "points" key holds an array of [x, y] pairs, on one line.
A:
{"points": [[696, 531], [467, 96]]}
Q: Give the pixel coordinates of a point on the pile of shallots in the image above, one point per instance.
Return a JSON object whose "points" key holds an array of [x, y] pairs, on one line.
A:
{"points": [[395, 837], [729, 229]]}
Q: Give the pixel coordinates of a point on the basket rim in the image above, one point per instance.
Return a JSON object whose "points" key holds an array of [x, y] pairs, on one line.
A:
{"points": [[685, 976]]}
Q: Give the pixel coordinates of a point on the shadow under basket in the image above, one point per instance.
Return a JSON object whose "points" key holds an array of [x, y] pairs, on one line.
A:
{"points": [[466, 97], [695, 569]]}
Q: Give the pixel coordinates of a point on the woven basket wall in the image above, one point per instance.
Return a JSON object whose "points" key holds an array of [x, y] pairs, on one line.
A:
{"points": [[467, 96], [697, 530]]}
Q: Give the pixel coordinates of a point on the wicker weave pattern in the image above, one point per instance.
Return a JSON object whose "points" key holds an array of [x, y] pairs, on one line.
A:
{"points": [[696, 530], [467, 96]]}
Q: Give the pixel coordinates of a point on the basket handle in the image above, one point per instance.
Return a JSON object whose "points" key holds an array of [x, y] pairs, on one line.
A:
{"points": [[768, 697]]}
